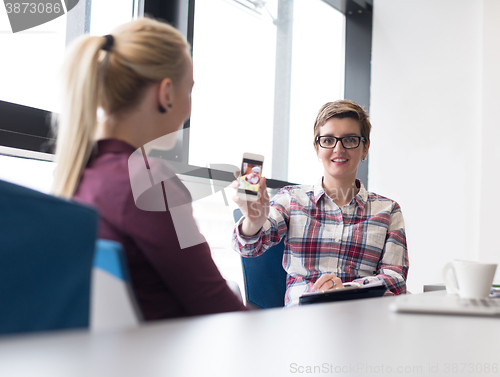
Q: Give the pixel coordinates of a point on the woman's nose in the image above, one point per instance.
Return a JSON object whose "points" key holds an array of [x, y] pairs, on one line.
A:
{"points": [[339, 146]]}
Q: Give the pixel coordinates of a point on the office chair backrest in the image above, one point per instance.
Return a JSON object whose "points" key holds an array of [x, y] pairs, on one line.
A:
{"points": [[46, 252], [264, 276], [113, 303]]}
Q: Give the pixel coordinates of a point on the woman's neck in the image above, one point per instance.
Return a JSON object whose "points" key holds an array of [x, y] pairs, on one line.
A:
{"points": [[139, 124], [341, 191]]}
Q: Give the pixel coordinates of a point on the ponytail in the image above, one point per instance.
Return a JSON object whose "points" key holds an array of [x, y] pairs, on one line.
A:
{"points": [[77, 122]]}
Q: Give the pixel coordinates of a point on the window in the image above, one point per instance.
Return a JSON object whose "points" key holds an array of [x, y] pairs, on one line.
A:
{"points": [[234, 83], [29, 67], [35, 55], [35, 174], [251, 84], [108, 14], [30, 62], [253, 93], [317, 78]]}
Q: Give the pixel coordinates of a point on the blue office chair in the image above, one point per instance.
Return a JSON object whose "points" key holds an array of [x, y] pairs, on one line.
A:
{"points": [[46, 252], [113, 302], [264, 276]]}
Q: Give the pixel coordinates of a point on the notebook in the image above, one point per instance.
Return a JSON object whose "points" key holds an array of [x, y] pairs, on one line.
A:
{"points": [[446, 304]]}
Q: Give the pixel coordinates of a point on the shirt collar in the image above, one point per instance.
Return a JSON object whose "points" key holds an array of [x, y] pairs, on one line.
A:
{"points": [[113, 146], [318, 190], [361, 198]]}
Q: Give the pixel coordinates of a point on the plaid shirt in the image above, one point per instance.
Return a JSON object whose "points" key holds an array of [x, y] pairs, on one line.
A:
{"points": [[361, 242]]}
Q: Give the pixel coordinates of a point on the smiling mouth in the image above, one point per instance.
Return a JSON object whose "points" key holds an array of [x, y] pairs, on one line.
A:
{"points": [[339, 160]]}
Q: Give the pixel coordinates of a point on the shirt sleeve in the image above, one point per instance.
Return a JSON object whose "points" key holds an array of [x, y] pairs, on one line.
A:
{"points": [[393, 265], [271, 233]]}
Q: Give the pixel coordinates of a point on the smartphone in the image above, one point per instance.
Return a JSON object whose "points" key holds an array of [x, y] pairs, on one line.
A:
{"points": [[250, 176]]}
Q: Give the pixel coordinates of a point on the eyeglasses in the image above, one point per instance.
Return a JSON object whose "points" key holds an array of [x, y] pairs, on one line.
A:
{"points": [[348, 142]]}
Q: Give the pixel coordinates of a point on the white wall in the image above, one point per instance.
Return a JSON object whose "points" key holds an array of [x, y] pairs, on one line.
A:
{"points": [[434, 95], [489, 247]]}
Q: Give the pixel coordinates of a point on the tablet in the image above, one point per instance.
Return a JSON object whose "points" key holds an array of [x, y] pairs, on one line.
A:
{"points": [[376, 289]]}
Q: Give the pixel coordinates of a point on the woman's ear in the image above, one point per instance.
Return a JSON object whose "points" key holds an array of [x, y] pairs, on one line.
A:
{"points": [[367, 146], [165, 94]]}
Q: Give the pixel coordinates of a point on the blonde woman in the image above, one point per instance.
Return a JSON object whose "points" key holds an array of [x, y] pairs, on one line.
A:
{"points": [[335, 231], [141, 77]]}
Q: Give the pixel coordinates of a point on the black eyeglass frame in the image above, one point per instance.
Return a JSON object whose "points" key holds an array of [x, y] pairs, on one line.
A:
{"points": [[341, 139]]}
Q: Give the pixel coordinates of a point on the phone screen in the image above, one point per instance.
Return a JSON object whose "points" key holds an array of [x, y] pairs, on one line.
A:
{"points": [[251, 172]]}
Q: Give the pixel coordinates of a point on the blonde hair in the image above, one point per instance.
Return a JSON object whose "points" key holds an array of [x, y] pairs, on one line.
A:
{"points": [[143, 52], [342, 109]]}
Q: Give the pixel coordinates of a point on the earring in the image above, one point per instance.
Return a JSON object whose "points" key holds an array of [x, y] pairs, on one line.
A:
{"points": [[161, 109]]}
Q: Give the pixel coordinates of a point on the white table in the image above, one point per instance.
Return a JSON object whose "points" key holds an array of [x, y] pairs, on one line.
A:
{"points": [[355, 338]]}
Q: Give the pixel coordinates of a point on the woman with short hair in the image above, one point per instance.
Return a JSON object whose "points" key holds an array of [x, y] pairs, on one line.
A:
{"points": [[335, 231]]}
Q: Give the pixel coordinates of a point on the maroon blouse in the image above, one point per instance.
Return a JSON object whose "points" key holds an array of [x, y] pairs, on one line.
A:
{"points": [[169, 279]]}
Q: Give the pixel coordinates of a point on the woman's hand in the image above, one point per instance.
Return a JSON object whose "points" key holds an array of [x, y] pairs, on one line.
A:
{"points": [[255, 212], [327, 281]]}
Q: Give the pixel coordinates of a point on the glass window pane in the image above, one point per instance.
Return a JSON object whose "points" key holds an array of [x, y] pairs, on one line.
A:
{"points": [[31, 59], [317, 78], [30, 62], [29, 71], [34, 174], [234, 55], [233, 96], [108, 14]]}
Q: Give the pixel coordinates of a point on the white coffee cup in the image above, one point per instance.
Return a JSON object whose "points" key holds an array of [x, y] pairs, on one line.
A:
{"points": [[469, 279]]}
